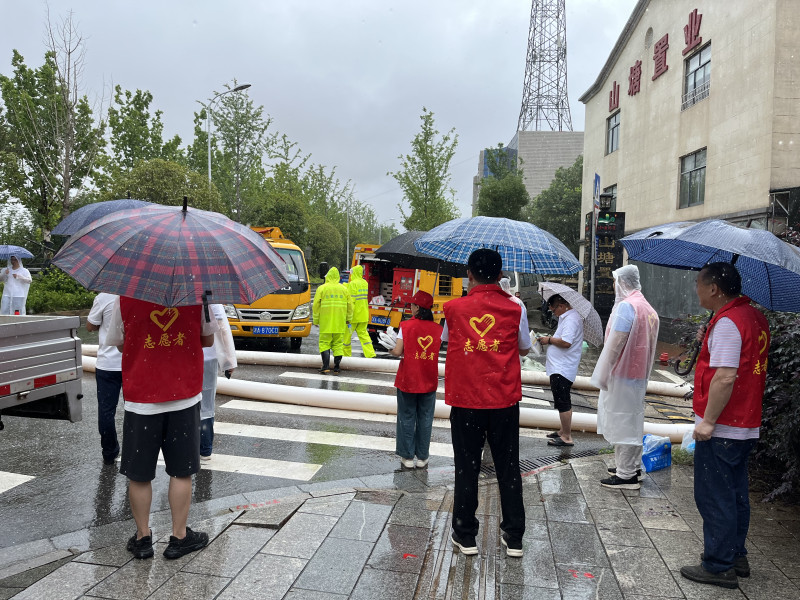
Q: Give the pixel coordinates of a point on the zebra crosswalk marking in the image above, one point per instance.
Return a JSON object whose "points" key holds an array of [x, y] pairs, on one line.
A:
{"points": [[261, 466], [12, 480], [671, 376], [327, 438]]}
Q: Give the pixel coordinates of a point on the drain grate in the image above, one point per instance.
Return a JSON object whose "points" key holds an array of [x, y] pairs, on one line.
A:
{"points": [[525, 465]]}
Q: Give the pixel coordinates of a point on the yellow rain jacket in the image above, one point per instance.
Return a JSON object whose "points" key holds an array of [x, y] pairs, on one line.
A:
{"points": [[358, 289], [333, 308]]}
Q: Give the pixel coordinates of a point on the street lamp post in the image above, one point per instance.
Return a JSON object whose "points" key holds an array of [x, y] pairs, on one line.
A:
{"points": [[238, 88]]}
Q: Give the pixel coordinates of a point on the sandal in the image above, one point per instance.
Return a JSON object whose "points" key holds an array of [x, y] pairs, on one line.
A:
{"points": [[553, 435], [558, 442]]}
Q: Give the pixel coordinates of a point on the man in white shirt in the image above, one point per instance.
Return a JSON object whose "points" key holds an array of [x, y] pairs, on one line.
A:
{"points": [[563, 356], [108, 375]]}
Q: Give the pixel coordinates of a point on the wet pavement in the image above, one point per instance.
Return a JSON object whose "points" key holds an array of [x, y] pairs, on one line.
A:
{"points": [[389, 537]]}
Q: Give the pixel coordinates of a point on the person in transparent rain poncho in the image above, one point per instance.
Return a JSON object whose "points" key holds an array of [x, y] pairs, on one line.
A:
{"points": [[621, 374], [17, 281], [221, 357]]}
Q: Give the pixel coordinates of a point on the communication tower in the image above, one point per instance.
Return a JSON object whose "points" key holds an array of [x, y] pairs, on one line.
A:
{"points": [[544, 94]]}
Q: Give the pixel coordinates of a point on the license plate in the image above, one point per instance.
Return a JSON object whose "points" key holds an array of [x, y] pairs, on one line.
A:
{"points": [[380, 320], [265, 330]]}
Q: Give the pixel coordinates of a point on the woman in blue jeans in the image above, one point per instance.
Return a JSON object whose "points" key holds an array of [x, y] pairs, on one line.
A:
{"points": [[417, 378]]}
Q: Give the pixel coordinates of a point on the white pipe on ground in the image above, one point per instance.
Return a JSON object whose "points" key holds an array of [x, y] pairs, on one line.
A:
{"points": [[383, 404], [379, 365]]}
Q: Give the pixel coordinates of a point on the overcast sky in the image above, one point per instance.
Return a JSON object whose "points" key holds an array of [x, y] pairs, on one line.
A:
{"points": [[346, 80]]}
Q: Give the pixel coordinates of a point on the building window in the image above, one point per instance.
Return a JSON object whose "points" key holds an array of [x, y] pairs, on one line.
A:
{"points": [[693, 179], [698, 77], [612, 137], [608, 199]]}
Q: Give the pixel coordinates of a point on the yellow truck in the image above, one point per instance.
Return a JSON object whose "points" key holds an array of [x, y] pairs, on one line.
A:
{"points": [[284, 313], [391, 287]]}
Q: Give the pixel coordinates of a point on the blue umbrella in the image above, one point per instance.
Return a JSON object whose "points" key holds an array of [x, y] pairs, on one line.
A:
{"points": [[7, 251], [770, 268], [524, 247], [91, 212]]}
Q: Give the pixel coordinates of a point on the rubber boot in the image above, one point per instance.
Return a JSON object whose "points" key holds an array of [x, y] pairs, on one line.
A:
{"points": [[326, 362], [336, 361]]}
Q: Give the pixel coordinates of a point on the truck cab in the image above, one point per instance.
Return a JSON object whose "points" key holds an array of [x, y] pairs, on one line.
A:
{"points": [[390, 288], [285, 313]]}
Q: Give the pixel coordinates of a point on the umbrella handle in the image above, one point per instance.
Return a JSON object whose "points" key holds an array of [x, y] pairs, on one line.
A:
{"points": [[206, 294], [694, 352]]}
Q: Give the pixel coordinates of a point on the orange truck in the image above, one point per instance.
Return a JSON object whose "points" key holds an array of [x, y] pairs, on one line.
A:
{"points": [[390, 288], [285, 313]]}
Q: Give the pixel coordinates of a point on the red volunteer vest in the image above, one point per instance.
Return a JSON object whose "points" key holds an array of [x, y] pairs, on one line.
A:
{"points": [[482, 369], [418, 372], [744, 407], [162, 358]]}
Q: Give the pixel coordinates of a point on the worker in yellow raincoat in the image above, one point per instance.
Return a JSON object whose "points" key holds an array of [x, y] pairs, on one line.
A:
{"points": [[332, 310], [358, 289]]}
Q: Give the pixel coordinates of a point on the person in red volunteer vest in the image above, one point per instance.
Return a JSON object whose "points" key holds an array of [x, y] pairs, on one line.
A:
{"points": [[417, 378], [486, 333], [162, 383], [728, 388]]}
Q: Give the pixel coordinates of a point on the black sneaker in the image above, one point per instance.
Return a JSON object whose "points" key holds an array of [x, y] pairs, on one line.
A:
{"points": [[726, 579], [466, 544], [336, 370], [613, 471], [141, 548], [740, 564], [325, 371], [513, 548], [194, 540], [615, 482]]}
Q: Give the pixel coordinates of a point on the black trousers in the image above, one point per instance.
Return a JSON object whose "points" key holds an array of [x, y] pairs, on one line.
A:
{"points": [[470, 428]]}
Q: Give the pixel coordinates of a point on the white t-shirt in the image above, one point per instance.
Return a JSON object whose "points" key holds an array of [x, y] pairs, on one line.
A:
{"points": [[108, 357], [116, 336], [217, 312], [564, 361]]}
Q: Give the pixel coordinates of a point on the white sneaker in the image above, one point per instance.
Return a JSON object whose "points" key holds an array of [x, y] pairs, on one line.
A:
{"points": [[421, 464], [205, 458], [408, 463]]}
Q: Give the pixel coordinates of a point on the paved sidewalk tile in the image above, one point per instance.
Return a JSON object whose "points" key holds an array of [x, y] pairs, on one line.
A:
{"points": [[336, 566], [620, 527], [400, 548], [658, 513], [69, 581], [386, 585], [561, 480], [570, 508], [266, 577], [191, 586], [332, 506], [677, 548], [521, 592], [362, 521], [301, 536], [641, 571], [588, 584], [230, 551], [577, 544], [313, 595]]}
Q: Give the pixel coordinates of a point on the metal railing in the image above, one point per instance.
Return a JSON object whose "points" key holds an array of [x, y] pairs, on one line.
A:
{"points": [[696, 95]]}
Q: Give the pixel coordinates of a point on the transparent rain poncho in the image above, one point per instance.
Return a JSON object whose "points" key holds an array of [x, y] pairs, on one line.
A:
{"points": [[218, 358], [15, 289], [624, 365]]}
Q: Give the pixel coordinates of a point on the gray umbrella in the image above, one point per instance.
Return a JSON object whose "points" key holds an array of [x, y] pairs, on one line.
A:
{"points": [[592, 327]]}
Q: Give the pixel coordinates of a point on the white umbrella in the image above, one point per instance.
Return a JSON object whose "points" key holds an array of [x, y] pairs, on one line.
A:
{"points": [[592, 327]]}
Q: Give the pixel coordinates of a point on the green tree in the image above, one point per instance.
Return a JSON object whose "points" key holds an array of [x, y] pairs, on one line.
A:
{"points": [[136, 134], [242, 131], [165, 182], [558, 208], [424, 177], [503, 192], [53, 141]]}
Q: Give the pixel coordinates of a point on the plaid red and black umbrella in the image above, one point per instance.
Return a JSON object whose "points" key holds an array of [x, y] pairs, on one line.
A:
{"points": [[171, 256]]}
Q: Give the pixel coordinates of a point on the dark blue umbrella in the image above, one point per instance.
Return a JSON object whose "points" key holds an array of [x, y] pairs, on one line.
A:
{"points": [[401, 251], [91, 212], [770, 268], [524, 247], [7, 251]]}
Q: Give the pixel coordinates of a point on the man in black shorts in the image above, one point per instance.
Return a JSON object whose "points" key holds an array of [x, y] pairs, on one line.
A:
{"points": [[162, 382]]}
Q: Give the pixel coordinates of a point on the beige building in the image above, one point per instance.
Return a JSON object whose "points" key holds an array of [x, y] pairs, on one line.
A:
{"points": [[696, 115]]}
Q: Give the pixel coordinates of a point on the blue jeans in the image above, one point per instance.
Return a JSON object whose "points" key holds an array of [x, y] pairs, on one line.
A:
{"points": [[721, 495], [206, 436], [414, 424], [109, 385]]}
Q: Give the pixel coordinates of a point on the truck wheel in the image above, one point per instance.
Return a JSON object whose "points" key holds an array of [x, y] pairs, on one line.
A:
{"points": [[295, 343]]}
